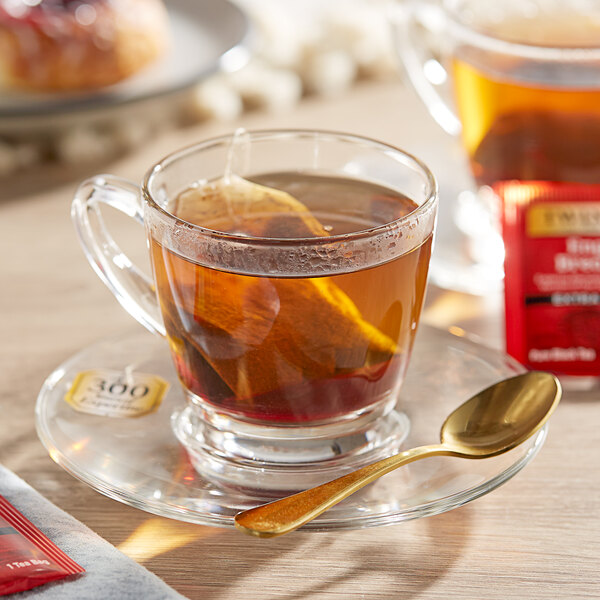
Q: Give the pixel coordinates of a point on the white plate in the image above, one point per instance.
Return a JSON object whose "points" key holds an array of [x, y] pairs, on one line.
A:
{"points": [[206, 35]]}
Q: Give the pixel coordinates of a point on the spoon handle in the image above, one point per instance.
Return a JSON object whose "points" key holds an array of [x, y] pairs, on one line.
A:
{"points": [[287, 514]]}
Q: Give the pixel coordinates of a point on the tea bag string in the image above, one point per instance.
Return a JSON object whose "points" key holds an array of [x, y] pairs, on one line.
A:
{"points": [[237, 162], [238, 155]]}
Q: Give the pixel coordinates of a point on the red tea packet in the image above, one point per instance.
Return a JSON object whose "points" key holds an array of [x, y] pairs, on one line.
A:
{"points": [[551, 235], [27, 557]]}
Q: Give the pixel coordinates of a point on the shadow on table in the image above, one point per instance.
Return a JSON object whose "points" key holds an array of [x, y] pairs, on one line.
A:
{"points": [[391, 562]]}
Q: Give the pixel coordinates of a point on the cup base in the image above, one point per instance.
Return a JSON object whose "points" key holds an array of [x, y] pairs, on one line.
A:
{"points": [[469, 252], [270, 460]]}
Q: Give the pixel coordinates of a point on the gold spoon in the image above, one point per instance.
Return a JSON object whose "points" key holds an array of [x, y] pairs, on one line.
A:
{"points": [[493, 421]]}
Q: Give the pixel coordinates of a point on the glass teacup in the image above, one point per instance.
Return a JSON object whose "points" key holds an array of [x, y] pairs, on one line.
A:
{"points": [[290, 304], [519, 83]]}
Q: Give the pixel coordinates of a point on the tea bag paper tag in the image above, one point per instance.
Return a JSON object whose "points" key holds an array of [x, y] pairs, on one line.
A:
{"points": [[118, 394]]}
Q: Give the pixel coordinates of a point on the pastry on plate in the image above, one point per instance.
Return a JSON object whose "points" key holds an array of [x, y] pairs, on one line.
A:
{"points": [[66, 45]]}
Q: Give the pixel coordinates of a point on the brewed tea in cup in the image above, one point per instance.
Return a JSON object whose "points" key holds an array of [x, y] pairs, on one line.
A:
{"points": [[288, 288], [518, 81]]}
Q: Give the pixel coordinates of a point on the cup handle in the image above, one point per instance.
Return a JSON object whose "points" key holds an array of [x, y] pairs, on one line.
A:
{"points": [[418, 59], [134, 290]]}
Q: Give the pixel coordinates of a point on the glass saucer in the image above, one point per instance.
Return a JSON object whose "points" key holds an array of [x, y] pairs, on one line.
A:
{"points": [[139, 461]]}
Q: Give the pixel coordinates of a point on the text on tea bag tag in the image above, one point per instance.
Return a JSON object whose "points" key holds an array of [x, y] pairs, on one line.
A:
{"points": [[110, 393]]}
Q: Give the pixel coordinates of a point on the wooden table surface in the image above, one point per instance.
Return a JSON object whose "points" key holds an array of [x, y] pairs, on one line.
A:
{"points": [[537, 536]]}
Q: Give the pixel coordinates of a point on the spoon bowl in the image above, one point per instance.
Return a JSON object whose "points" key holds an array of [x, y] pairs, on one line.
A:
{"points": [[502, 416], [490, 423]]}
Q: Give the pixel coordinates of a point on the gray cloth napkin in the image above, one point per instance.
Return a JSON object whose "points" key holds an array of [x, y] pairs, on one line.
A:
{"points": [[109, 573]]}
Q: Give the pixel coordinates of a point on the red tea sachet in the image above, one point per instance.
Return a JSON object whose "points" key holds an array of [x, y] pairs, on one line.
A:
{"points": [[27, 557], [551, 235]]}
